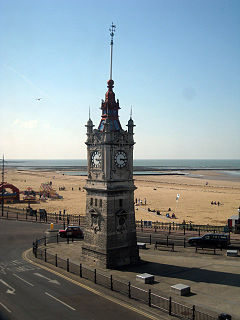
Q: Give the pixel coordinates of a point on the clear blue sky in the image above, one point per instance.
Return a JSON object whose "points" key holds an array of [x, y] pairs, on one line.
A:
{"points": [[177, 62]]}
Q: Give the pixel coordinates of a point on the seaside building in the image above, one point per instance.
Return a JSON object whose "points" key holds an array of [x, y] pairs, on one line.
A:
{"points": [[110, 231]]}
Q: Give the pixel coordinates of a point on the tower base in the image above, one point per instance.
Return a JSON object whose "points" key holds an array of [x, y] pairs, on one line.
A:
{"points": [[111, 258]]}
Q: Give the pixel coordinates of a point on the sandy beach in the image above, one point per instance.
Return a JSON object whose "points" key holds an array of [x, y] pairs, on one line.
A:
{"points": [[196, 189]]}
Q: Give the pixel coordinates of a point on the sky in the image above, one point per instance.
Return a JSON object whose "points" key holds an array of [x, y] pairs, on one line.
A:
{"points": [[176, 62]]}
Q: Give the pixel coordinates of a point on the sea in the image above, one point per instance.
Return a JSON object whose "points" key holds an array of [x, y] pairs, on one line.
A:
{"points": [[141, 166]]}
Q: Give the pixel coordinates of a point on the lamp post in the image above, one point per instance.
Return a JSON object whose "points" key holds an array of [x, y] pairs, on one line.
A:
{"points": [[2, 185]]}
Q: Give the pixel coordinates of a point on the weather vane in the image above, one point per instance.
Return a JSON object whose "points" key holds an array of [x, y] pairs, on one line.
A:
{"points": [[112, 32]]}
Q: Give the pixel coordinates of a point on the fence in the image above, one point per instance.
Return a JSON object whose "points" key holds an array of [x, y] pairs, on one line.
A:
{"points": [[126, 288], [151, 232], [23, 214], [179, 226]]}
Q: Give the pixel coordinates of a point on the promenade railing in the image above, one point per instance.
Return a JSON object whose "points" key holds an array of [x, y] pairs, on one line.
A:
{"points": [[64, 218], [132, 291]]}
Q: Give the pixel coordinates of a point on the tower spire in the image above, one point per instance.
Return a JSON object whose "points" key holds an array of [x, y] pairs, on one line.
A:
{"points": [[110, 106], [112, 32]]}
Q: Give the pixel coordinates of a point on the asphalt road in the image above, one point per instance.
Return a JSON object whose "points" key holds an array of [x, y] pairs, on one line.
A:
{"points": [[29, 292]]}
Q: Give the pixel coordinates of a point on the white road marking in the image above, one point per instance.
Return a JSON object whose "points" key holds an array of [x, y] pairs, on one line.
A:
{"points": [[11, 290], [49, 280], [23, 280], [60, 301], [5, 307]]}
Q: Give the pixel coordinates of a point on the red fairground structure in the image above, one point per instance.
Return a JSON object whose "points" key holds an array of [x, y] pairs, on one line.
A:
{"points": [[9, 193]]}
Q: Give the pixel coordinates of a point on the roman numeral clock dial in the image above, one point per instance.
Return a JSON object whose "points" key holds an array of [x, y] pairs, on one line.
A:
{"points": [[96, 159], [120, 159]]}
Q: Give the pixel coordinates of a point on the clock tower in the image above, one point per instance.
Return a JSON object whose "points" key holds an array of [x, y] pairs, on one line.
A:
{"points": [[110, 232]]}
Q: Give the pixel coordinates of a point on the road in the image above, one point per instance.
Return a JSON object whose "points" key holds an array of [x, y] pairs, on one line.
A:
{"points": [[28, 292]]}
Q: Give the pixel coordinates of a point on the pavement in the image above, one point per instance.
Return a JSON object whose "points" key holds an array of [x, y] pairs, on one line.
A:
{"points": [[214, 279], [31, 290]]}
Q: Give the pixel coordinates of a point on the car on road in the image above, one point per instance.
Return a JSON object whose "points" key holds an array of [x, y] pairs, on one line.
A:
{"points": [[72, 232], [210, 240]]}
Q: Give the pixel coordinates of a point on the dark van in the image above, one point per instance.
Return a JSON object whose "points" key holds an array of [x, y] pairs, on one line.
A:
{"points": [[210, 240]]}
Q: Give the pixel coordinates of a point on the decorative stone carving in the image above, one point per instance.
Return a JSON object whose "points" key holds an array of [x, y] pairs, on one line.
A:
{"points": [[95, 220], [121, 221]]}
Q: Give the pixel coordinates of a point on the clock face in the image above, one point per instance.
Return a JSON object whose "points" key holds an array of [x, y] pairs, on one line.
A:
{"points": [[96, 159], [120, 159]]}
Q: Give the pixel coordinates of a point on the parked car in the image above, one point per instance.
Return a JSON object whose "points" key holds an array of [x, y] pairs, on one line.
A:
{"points": [[210, 240], [71, 231]]}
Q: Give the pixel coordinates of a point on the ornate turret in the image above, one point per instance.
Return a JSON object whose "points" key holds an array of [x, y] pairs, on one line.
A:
{"points": [[130, 124], [110, 109]]}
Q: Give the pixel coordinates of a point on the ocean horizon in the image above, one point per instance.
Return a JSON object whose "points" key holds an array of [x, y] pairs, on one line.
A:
{"points": [[155, 164]]}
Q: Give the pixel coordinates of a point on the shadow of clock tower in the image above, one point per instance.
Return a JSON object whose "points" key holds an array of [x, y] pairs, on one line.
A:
{"points": [[110, 232]]}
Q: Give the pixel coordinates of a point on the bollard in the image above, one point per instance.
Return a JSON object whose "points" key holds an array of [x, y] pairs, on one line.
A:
{"points": [[56, 260], [193, 312], [51, 226], [67, 265], [150, 239], [80, 272], [45, 241], [149, 297], [111, 282], [45, 255], [184, 231], [129, 289], [170, 306], [95, 276]]}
